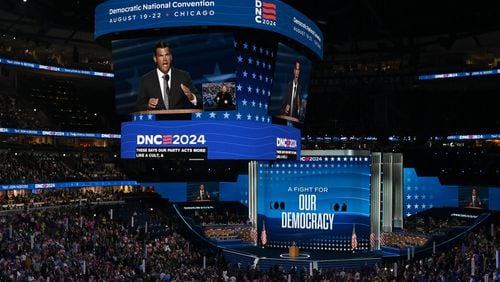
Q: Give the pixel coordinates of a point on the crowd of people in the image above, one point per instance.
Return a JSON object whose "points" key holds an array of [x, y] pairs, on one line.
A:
{"points": [[142, 239], [43, 167], [15, 113], [52, 54]]}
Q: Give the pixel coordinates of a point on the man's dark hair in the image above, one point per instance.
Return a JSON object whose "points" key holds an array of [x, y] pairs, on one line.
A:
{"points": [[160, 45]]}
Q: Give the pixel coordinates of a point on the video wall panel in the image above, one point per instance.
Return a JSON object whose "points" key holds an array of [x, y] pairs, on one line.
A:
{"points": [[317, 205]]}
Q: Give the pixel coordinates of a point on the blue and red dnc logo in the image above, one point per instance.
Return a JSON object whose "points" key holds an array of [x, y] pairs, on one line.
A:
{"points": [[286, 143], [265, 13]]}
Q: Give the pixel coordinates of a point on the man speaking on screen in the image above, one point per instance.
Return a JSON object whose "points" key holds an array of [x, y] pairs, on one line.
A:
{"points": [[166, 87]]}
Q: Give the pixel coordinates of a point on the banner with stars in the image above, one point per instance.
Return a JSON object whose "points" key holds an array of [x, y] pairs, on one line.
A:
{"points": [[316, 203], [422, 193]]}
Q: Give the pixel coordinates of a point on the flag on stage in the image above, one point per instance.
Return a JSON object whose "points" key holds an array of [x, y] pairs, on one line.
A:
{"points": [[263, 234], [354, 238], [372, 241]]}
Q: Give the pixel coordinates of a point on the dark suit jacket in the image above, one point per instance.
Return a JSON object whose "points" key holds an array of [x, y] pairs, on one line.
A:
{"points": [[296, 102], [150, 88], [224, 101]]}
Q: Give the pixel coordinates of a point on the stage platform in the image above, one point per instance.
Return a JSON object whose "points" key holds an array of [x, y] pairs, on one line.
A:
{"points": [[265, 258]]}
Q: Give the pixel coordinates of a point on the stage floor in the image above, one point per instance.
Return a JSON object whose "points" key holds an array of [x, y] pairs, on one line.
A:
{"points": [[309, 255]]}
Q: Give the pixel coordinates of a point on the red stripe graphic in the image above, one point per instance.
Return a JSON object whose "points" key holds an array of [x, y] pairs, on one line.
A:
{"points": [[269, 5], [269, 11], [269, 17], [167, 139]]}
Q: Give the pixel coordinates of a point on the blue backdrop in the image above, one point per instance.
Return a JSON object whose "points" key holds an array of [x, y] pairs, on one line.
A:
{"points": [[336, 191]]}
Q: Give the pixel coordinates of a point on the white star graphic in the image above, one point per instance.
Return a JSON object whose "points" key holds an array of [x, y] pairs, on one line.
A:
{"points": [[416, 206], [416, 197], [141, 117], [261, 50], [408, 206], [253, 103], [267, 52], [256, 118], [268, 120], [249, 88], [239, 87], [198, 115], [150, 117], [265, 106], [263, 64], [238, 116], [254, 47], [254, 75], [257, 90], [235, 44], [263, 119], [249, 117], [249, 60], [240, 59], [266, 79], [245, 45], [260, 104], [408, 197], [408, 214], [260, 76], [257, 63], [212, 115], [226, 115], [244, 102], [423, 206], [245, 73]]}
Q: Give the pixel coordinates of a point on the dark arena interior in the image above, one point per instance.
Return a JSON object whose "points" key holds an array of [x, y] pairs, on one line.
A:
{"points": [[268, 141]]}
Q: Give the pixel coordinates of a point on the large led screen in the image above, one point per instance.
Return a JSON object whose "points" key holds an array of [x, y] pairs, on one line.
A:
{"points": [[290, 85], [317, 204], [209, 59]]}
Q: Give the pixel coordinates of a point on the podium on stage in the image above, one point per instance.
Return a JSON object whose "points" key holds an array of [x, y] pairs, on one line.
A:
{"points": [[293, 250]]}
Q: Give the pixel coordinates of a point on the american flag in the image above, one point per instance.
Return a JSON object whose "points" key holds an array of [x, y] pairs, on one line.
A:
{"points": [[354, 238], [372, 241], [263, 234]]}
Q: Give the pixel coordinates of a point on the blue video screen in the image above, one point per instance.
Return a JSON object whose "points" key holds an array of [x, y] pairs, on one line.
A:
{"points": [[315, 204], [282, 89], [207, 57]]}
